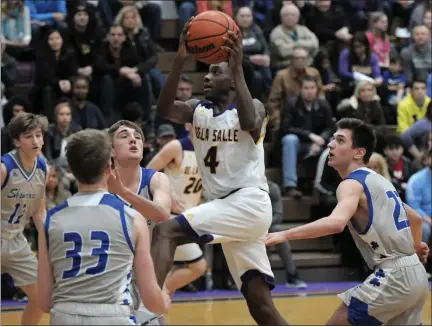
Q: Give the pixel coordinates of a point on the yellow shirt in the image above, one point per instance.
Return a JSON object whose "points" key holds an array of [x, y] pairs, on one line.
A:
{"points": [[409, 112]]}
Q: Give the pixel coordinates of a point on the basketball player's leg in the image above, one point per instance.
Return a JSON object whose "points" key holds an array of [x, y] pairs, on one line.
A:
{"points": [[339, 317]]}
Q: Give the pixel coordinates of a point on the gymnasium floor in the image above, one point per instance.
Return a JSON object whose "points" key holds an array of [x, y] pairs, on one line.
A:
{"points": [[312, 306]]}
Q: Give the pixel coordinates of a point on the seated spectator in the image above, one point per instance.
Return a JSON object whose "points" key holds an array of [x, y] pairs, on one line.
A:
{"points": [[418, 13], [358, 11], [58, 132], [364, 105], [399, 166], [393, 88], [358, 59], [427, 19], [414, 136], [285, 36], [287, 83], [378, 38], [413, 107], [185, 9], [119, 65], [417, 57], [16, 28], [8, 69], [306, 127], [419, 195], [85, 113], [55, 65], [379, 165], [283, 249], [224, 6], [15, 106], [46, 14], [256, 49], [261, 11], [55, 193]]}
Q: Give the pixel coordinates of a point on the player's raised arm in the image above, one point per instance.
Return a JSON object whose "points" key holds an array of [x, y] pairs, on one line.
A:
{"points": [[251, 112], [151, 294], [166, 155], [348, 194], [45, 274], [176, 111]]}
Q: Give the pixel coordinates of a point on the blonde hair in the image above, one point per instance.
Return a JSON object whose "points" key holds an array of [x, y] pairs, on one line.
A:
{"points": [[127, 9], [382, 164], [360, 85]]}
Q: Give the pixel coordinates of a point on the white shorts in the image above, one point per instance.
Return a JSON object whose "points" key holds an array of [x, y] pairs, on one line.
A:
{"points": [[394, 294], [239, 222], [18, 260]]}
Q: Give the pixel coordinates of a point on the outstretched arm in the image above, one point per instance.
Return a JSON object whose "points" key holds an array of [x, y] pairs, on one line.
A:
{"points": [[165, 156], [348, 194], [160, 187]]}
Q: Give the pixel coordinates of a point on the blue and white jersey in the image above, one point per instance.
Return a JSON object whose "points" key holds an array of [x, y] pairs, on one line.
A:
{"points": [[21, 193], [387, 233], [91, 247]]}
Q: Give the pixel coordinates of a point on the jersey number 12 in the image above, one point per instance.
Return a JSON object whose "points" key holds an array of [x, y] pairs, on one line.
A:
{"points": [[397, 210], [210, 159]]}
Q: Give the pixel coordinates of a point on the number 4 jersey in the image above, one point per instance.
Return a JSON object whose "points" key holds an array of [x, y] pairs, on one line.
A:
{"points": [[21, 193], [228, 157]]}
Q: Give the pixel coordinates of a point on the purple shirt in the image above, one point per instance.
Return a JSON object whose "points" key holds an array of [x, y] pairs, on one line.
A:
{"points": [[346, 68]]}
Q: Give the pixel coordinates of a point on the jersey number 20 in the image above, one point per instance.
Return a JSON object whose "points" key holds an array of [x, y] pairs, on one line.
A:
{"points": [[397, 210], [75, 253], [210, 159]]}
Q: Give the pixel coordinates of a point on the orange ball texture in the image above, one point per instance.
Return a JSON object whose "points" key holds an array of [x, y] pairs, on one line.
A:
{"points": [[205, 39]]}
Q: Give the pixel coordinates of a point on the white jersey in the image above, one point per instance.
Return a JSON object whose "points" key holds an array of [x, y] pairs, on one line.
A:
{"points": [[186, 181], [228, 157], [387, 234]]}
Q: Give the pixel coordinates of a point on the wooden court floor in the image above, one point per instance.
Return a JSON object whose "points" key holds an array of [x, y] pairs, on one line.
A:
{"points": [[307, 310]]}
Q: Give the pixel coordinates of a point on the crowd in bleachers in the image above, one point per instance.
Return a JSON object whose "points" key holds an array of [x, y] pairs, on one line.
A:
{"points": [[313, 62]]}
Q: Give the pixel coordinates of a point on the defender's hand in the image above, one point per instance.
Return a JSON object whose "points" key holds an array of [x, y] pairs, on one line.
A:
{"points": [[115, 184], [182, 44], [423, 252], [274, 238], [234, 45]]}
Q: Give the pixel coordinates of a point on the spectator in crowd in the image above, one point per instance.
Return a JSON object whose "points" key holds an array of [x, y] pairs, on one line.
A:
{"points": [[364, 104], [15, 106], [165, 133], [413, 107], [85, 113], [418, 13], [261, 10], [359, 10], [119, 64], [287, 83], [393, 88], [16, 28], [378, 164], [55, 65], [415, 135], [55, 189], [306, 127], [379, 40], [400, 14], [224, 6], [429, 86], [285, 36], [326, 182], [417, 57], [399, 166], [46, 14], [185, 9], [8, 69], [58, 132], [85, 38], [256, 49], [427, 19], [358, 59], [419, 195], [283, 249]]}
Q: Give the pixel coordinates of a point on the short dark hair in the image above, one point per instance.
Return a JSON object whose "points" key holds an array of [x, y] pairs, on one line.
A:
{"points": [[395, 58], [309, 78], [88, 153], [418, 80], [25, 122], [114, 127], [392, 141], [363, 135], [132, 111], [75, 79]]}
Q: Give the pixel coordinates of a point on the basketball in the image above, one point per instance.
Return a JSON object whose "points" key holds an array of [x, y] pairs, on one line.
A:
{"points": [[205, 39]]}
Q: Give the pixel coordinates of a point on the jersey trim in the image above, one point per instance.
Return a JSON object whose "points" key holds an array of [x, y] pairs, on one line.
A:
{"points": [[263, 130], [117, 204], [360, 176], [146, 176], [27, 177], [186, 144], [51, 213], [209, 105]]}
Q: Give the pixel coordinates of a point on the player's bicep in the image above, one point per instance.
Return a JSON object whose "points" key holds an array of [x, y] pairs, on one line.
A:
{"points": [[161, 189], [182, 112], [165, 156], [3, 173], [45, 275], [348, 195], [413, 216]]}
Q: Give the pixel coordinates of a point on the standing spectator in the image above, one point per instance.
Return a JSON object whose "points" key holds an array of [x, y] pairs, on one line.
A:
{"points": [[256, 49], [417, 57], [85, 113], [306, 127], [419, 195], [284, 36], [287, 83], [55, 190], [358, 59], [364, 104], [8, 69], [58, 132], [413, 107], [15, 106], [46, 14], [55, 65], [16, 27], [379, 165], [378, 38], [185, 9]]}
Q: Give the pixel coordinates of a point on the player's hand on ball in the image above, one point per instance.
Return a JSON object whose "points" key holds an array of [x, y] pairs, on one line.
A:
{"points": [[234, 46], [182, 44], [423, 252], [274, 238]]}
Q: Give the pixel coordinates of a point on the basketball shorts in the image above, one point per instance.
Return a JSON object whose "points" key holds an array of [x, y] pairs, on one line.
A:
{"points": [[88, 314], [394, 294], [18, 260], [239, 222]]}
